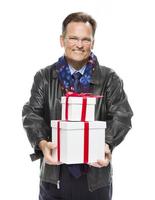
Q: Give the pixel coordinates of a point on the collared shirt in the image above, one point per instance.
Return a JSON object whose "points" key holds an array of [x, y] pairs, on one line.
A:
{"points": [[72, 70]]}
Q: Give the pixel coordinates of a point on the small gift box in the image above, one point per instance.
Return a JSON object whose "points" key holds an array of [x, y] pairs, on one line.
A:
{"points": [[78, 107], [78, 142]]}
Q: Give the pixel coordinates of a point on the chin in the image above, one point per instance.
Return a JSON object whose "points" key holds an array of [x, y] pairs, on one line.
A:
{"points": [[78, 58]]}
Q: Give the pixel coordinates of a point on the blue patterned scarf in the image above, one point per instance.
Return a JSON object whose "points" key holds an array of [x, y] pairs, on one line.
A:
{"points": [[67, 81]]}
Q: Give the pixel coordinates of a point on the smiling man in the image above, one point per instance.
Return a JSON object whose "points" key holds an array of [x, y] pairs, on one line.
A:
{"points": [[78, 42], [77, 70]]}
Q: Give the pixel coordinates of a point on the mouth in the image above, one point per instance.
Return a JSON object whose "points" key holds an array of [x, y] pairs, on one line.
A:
{"points": [[78, 51]]}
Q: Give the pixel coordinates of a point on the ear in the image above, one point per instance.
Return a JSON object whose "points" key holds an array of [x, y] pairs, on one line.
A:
{"points": [[92, 46], [61, 40]]}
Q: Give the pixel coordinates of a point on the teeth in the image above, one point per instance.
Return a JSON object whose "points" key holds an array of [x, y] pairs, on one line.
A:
{"points": [[78, 51]]}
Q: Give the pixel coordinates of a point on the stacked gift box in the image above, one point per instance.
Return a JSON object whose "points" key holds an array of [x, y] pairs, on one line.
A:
{"points": [[79, 138]]}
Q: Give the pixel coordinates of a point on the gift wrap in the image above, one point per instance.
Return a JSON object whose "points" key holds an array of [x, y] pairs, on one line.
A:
{"points": [[78, 142], [78, 108]]}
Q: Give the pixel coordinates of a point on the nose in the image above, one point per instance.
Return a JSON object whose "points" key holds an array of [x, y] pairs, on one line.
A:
{"points": [[79, 43]]}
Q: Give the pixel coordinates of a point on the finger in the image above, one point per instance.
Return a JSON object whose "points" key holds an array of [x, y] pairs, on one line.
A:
{"points": [[51, 145], [107, 149], [51, 161], [59, 163], [95, 164], [104, 163], [109, 156]]}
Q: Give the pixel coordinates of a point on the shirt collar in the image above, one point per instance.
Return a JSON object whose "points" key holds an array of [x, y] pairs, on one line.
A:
{"points": [[72, 70]]}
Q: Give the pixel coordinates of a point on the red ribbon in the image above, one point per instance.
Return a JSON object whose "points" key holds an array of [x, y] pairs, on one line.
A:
{"points": [[84, 107], [86, 142], [84, 102]]}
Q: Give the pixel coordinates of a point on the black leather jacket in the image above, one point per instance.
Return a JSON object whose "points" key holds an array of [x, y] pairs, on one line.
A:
{"points": [[44, 105]]}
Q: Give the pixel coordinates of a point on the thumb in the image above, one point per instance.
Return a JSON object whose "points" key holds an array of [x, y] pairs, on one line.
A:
{"points": [[107, 149], [51, 145]]}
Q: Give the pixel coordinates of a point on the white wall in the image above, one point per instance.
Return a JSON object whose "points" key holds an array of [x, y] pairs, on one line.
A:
{"points": [[125, 41]]}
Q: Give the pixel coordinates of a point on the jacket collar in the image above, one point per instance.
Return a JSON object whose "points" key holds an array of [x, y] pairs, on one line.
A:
{"points": [[96, 75]]}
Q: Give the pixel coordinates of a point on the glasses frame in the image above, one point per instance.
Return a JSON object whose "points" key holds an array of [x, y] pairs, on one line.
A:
{"points": [[75, 40]]}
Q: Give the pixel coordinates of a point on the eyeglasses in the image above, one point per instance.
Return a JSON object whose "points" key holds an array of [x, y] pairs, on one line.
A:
{"points": [[75, 40]]}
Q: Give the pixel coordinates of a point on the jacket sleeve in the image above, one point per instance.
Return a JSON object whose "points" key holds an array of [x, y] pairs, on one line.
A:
{"points": [[119, 112], [33, 113]]}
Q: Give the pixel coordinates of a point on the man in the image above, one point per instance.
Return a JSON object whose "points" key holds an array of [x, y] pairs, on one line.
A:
{"points": [[60, 181]]}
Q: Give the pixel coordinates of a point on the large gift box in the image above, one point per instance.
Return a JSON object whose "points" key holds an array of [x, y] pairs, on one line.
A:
{"points": [[78, 142], [78, 107]]}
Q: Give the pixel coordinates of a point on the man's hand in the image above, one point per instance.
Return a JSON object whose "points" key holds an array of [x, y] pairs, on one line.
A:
{"points": [[47, 148], [105, 162]]}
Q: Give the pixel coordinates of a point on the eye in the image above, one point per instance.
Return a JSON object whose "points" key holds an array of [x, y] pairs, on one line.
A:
{"points": [[73, 39], [86, 40]]}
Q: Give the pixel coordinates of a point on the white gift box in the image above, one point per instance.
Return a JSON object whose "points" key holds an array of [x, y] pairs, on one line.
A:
{"points": [[78, 142], [78, 110]]}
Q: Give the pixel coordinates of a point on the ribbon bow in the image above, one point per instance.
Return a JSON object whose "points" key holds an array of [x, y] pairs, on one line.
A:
{"points": [[84, 102]]}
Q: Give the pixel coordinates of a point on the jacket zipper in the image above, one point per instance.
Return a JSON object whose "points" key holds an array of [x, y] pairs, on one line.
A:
{"points": [[58, 184]]}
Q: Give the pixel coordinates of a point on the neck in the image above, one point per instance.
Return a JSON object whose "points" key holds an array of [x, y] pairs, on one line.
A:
{"points": [[77, 64]]}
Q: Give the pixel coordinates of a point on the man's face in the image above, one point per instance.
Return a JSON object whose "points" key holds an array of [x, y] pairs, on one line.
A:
{"points": [[77, 42]]}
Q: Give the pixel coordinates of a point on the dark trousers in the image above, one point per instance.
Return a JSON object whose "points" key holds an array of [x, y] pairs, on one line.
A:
{"points": [[72, 189]]}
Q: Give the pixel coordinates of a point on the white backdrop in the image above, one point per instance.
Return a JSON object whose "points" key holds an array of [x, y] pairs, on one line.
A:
{"points": [[125, 41]]}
